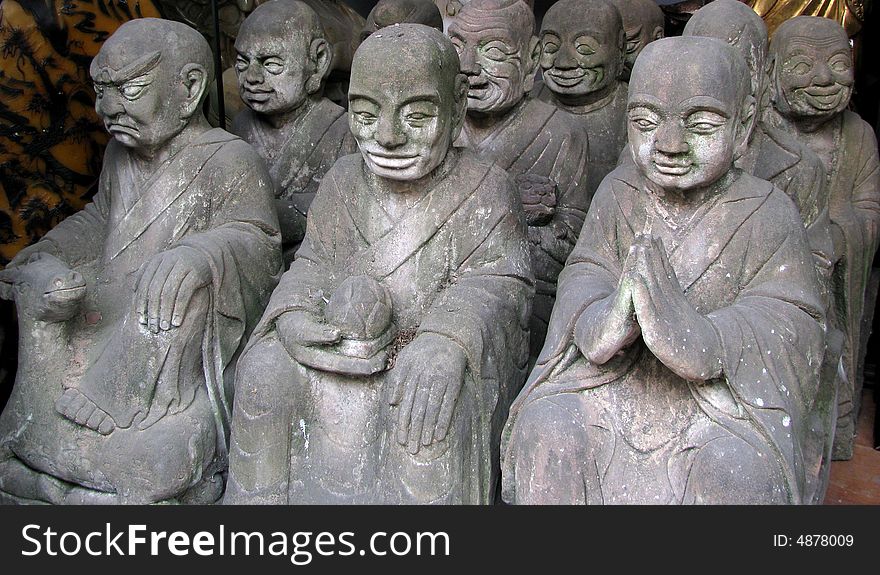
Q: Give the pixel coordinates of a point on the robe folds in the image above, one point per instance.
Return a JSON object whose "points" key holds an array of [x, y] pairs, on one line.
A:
{"points": [[168, 392], [854, 206], [538, 139], [455, 262], [605, 124], [631, 430], [299, 153]]}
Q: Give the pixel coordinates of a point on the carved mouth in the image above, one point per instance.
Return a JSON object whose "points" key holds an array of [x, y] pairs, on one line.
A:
{"points": [[567, 78], [824, 97], [116, 128], [255, 97], [65, 294], [672, 168], [392, 161]]}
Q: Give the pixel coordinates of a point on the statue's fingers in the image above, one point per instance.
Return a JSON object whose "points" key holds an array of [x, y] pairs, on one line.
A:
{"points": [[447, 410], [141, 287], [432, 413], [397, 381], [404, 416], [185, 291], [313, 332], [417, 419], [168, 299], [154, 292]]}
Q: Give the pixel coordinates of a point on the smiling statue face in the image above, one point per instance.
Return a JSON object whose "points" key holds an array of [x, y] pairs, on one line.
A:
{"points": [[272, 62], [684, 123], [494, 42], [643, 22], [813, 68], [581, 47], [404, 120]]}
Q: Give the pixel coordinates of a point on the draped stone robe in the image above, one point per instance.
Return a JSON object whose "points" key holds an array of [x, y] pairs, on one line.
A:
{"points": [[854, 205], [298, 155], [168, 393], [455, 261], [539, 139], [633, 431], [605, 124]]}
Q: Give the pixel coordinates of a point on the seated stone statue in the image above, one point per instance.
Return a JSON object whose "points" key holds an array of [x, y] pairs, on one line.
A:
{"points": [[382, 369], [390, 12], [582, 44], [282, 62], [135, 309], [812, 80], [643, 23], [776, 156], [684, 348], [540, 145]]}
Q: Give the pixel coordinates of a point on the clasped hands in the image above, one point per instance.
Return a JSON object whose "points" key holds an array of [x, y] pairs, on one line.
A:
{"points": [[424, 383], [650, 302]]}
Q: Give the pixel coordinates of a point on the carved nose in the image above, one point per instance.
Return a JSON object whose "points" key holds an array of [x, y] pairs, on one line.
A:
{"points": [[822, 75], [74, 278], [109, 105], [468, 57], [252, 74], [670, 139], [565, 57], [388, 133]]}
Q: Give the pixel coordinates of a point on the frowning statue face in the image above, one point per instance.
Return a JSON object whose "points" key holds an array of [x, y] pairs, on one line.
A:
{"points": [[405, 120], [813, 68], [687, 123], [498, 53]]}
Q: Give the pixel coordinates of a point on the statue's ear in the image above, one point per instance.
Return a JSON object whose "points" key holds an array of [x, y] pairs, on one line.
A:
{"points": [[657, 33], [530, 67], [459, 111], [748, 117], [195, 81], [772, 88], [321, 57], [7, 283]]}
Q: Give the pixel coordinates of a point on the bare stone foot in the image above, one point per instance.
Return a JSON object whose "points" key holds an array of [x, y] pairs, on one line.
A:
{"points": [[81, 410]]}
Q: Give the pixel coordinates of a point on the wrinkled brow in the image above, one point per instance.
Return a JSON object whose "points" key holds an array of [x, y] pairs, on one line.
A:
{"points": [[139, 67]]}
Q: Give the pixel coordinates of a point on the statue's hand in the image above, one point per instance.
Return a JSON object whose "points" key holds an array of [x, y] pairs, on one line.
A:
{"points": [[609, 325], [305, 329], [538, 196], [166, 284], [425, 384], [675, 332]]}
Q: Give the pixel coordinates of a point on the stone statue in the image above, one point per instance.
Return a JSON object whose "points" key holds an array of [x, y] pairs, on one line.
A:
{"points": [[776, 156], [390, 12], [582, 43], [643, 23], [811, 84], [382, 369], [683, 351], [282, 62], [134, 310], [542, 146]]}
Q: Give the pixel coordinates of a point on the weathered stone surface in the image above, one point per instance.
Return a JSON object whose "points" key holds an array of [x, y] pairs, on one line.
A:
{"points": [[643, 23], [283, 59], [390, 12], [336, 404], [582, 55], [776, 156], [538, 144], [811, 84], [134, 310], [684, 348]]}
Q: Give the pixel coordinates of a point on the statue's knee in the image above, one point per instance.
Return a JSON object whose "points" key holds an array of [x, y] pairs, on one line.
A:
{"points": [[260, 375], [550, 423], [729, 470]]}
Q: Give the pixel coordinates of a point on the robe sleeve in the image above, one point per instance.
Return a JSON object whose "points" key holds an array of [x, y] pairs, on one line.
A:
{"points": [[485, 309]]}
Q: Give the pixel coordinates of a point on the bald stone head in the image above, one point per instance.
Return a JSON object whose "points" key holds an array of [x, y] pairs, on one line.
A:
{"points": [[581, 49], [282, 57], [499, 53], [643, 23], [150, 79], [390, 12], [812, 68], [407, 100], [735, 23], [687, 123]]}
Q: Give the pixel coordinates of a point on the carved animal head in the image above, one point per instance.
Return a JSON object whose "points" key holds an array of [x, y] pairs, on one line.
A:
{"points": [[44, 288]]}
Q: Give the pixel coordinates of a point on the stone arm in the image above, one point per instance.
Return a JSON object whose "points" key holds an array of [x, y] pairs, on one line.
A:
{"points": [[557, 238]]}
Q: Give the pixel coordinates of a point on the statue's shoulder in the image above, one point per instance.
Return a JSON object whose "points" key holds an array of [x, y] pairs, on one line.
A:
{"points": [[855, 129]]}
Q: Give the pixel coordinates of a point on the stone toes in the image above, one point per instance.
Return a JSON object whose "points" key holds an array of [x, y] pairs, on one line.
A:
{"points": [[95, 419], [106, 426]]}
